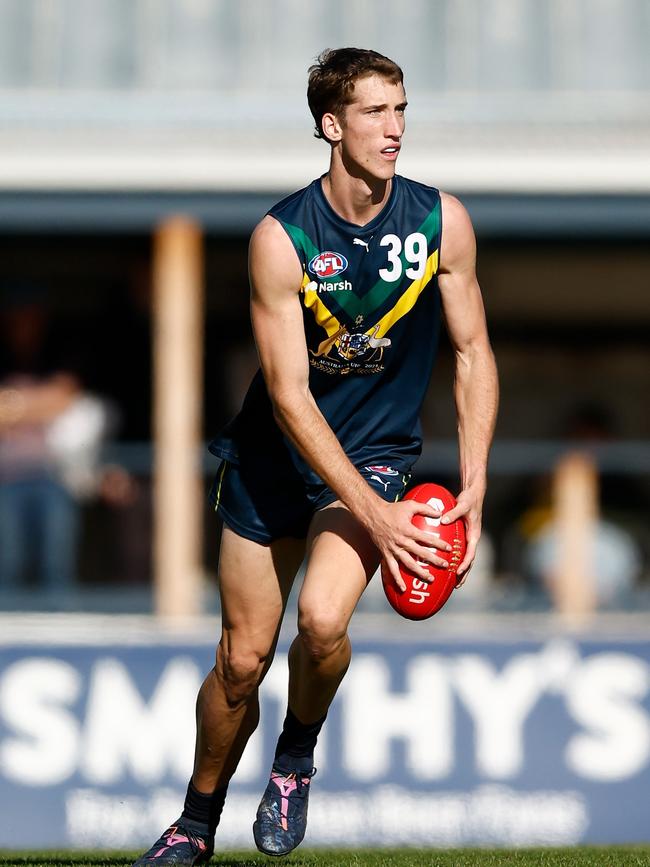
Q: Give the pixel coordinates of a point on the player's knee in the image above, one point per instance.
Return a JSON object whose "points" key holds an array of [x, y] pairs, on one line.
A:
{"points": [[241, 672], [321, 633]]}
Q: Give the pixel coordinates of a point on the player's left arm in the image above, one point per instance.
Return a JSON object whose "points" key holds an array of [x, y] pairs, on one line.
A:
{"points": [[476, 388]]}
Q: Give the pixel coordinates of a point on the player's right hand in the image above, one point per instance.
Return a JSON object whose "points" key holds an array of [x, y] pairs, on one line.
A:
{"points": [[400, 542]]}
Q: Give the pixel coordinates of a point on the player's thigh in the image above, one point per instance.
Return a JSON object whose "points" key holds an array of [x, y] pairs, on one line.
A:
{"points": [[254, 584], [341, 561]]}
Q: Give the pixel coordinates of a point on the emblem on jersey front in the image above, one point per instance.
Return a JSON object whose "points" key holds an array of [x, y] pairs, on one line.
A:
{"points": [[328, 264], [359, 344]]}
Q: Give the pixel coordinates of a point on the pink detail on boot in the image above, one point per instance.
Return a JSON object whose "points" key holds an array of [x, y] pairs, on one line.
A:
{"points": [[175, 838], [286, 785]]}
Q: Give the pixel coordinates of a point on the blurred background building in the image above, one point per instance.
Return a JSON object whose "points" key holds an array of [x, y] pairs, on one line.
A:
{"points": [[117, 114]]}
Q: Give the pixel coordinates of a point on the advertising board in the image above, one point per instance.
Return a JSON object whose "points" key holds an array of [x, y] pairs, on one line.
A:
{"points": [[428, 743]]}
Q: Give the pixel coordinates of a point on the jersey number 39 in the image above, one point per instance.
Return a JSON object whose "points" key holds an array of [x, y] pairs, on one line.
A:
{"points": [[415, 253]]}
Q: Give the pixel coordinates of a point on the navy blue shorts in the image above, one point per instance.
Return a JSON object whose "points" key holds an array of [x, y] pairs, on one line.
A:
{"points": [[264, 503]]}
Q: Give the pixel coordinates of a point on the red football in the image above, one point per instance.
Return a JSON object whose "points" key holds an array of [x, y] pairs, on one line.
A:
{"points": [[421, 600]]}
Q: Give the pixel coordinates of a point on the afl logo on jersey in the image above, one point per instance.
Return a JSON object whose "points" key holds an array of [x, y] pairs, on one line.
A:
{"points": [[328, 264]]}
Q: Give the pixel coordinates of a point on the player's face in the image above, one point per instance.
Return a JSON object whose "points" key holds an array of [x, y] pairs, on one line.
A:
{"points": [[372, 127]]}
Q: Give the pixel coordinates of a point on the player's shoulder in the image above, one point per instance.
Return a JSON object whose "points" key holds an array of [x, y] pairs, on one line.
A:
{"points": [[452, 207], [273, 254], [454, 211], [285, 219], [417, 188], [268, 229], [289, 207], [458, 241]]}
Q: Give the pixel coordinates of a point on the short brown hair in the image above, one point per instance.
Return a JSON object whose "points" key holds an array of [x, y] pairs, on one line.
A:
{"points": [[333, 76]]}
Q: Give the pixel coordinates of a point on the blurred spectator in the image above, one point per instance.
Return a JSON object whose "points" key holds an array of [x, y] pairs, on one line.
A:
{"points": [[617, 561], [50, 433]]}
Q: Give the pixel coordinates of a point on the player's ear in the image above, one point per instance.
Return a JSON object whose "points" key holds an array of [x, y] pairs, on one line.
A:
{"points": [[331, 127]]}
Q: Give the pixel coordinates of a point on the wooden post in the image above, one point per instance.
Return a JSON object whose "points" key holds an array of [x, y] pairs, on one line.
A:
{"points": [[177, 409], [575, 508]]}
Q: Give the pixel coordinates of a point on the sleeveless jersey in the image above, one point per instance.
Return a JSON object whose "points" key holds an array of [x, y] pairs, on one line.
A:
{"points": [[371, 311]]}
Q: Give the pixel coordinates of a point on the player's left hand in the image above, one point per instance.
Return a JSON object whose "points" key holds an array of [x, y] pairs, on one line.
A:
{"points": [[469, 507]]}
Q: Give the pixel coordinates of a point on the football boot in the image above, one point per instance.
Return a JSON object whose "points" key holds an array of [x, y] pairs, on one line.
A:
{"points": [[282, 814], [183, 844]]}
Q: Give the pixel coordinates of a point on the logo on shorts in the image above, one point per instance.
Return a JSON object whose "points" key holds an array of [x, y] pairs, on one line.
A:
{"points": [[385, 471], [328, 264]]}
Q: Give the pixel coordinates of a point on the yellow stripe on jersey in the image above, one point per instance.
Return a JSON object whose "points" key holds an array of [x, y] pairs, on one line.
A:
{"points": [[407, 300], [324, 318]]}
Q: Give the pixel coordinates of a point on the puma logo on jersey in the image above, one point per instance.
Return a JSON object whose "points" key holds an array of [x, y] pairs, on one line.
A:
{"points": [[361, 243], [381, 481]]}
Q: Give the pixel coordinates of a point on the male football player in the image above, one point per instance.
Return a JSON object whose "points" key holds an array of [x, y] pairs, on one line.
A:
{"points": [[350, 278]]}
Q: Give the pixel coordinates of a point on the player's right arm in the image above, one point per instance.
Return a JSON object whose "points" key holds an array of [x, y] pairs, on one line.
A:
{"points": [[276, 315]]}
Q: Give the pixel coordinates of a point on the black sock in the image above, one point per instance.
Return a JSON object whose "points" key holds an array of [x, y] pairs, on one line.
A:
{"points": [[296, 744], [205, 809]]}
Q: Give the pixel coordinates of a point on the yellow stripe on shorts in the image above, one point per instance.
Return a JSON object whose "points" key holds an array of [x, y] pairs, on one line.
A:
{"points": [[221, 475]]}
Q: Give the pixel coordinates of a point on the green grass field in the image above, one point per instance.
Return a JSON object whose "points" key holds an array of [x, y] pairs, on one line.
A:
{"points": [[612, 856]]}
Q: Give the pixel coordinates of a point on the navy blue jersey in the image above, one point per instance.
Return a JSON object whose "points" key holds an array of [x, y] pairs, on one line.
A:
{"points": [[371, 310]]}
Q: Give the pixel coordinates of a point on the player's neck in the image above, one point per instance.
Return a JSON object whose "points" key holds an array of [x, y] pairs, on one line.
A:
{"points": [[357, 200]]}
